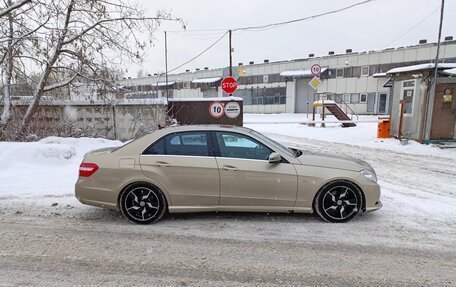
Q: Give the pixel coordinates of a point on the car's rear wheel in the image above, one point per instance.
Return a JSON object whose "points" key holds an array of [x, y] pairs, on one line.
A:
{"points": [[142, 203], [338, 201]]}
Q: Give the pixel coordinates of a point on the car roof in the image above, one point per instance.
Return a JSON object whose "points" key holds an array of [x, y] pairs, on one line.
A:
{"points": [[206, 127]]}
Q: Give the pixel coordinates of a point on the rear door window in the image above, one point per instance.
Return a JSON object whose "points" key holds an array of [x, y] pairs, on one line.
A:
{"points": [[182, 143]]}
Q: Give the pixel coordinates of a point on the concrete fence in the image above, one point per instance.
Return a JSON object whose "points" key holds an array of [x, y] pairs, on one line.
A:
{"points": [[120, 121]]}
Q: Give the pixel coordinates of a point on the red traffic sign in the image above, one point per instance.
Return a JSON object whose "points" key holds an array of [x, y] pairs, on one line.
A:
{"points": [[315, 70], [216, 110], [229, 85]]}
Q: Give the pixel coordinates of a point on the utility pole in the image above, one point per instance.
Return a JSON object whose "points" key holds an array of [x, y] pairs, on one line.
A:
{"points": [[231, 57], [430, 104], [166, 67]]}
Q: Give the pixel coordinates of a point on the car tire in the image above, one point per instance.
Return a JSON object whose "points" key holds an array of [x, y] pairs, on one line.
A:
{"points": [[338, 201], [142, 203]]}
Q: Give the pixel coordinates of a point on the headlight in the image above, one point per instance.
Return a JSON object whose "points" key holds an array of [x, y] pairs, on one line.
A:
{"points": [[369, 175]]}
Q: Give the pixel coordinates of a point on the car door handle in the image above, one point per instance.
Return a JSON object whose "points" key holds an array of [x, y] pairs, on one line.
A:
{"points": [[162, 164], [229, 167]]}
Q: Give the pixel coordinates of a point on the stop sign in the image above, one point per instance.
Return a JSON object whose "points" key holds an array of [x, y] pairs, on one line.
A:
{"points": [[229, 85]]}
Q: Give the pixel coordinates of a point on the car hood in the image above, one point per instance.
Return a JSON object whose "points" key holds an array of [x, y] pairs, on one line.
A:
{"points": [[333, 161]]}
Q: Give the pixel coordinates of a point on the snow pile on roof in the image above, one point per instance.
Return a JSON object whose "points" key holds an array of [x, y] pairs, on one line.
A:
{"points": [[299, 73], [379, 75], [161, 84], [206, 80], [451, 72], [222, 99], [421, 67]]}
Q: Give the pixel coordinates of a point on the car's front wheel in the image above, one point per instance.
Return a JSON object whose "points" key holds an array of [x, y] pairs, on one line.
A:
{"points": [[142, 203], [338, 201]]}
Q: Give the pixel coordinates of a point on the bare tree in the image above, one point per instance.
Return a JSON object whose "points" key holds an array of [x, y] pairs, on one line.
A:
{"points": [[69, 40], [19, 22], [7, 68], [11, 6], [87, 36], [11, 40]]}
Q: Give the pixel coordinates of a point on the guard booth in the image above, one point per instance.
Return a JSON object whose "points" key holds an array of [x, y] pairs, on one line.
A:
{"points": [[411, 100], [206, 111]]}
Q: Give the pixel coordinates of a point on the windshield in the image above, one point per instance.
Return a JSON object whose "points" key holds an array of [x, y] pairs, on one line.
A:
{"points": [[281, 148]]}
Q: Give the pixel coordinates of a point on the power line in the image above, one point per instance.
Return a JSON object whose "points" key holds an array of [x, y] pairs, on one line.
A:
{"points": [[197, 36], [274, 25], [414, 26], [260, 28], [201, 53]]}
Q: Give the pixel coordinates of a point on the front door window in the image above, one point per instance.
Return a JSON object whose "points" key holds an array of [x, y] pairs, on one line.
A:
{"points": [[235, 145]]}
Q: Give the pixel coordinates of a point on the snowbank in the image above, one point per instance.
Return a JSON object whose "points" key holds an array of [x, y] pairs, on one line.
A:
{"points": [[45, 168]]}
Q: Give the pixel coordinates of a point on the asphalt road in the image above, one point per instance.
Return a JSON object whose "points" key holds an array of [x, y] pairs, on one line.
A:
{"points": [[103, 249]]}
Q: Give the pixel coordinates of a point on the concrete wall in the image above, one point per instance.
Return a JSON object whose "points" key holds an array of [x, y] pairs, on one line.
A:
{"points": [[122, 122]]}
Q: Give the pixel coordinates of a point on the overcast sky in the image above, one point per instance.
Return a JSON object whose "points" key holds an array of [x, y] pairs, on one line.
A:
{"points": [[375, 25]]}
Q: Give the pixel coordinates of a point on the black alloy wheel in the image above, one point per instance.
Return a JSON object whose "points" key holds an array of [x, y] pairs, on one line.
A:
{"points": [[338, 201], [142, 203]]}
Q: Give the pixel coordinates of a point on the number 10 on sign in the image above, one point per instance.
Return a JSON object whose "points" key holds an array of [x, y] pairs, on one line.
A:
{"points": [[216, 110]]}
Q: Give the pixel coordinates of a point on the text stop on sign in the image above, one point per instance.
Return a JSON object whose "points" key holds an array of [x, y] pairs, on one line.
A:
{"points": [[229, 85]]}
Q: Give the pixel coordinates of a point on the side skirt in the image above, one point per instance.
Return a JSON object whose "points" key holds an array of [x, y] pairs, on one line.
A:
{"points": [[280, 209]]}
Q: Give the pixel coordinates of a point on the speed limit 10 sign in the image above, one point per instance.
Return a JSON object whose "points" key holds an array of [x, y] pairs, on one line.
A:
{"points": [[315, 70], [216, 110]]}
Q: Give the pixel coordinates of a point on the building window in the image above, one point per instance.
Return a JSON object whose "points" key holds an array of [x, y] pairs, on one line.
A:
{"points": [[346, 98], [354, 99], [364, 71], [356, 72], [340, 73], [268, 96], [363, 98], [246, 95], [373, 70], [408, 91], [338, 98]]}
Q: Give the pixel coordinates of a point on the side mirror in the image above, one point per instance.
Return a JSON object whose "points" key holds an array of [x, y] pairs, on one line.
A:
{"points": [[274, 158]]}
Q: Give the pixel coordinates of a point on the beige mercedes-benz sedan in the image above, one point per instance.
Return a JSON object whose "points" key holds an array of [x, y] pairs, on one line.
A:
{"points": [[223, 168]]}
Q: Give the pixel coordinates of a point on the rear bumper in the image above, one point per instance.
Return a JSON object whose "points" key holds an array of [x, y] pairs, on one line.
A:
{"points": [[99, 197]]}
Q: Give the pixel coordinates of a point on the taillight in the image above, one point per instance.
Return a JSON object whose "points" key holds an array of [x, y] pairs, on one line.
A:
{"points": [[87, 169]]}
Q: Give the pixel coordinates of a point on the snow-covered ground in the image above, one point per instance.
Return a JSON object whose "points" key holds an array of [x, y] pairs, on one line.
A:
{"points": [[418, 186], [364, 134], [45, 168]]}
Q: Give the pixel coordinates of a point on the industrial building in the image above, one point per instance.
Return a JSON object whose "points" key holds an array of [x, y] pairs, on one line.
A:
{"points": [[357, 80]]}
